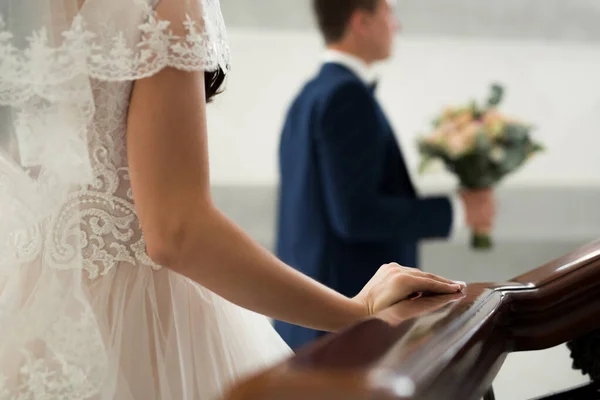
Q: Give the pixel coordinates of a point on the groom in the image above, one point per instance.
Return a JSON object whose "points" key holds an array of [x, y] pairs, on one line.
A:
{"points": [[347, 204]]}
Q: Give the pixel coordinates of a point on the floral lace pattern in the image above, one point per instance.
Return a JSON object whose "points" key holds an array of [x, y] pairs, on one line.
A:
{"points": [[73, 364], [105, 52], [110, 231]]}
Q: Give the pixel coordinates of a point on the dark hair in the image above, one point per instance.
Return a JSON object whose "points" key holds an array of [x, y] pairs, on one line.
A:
{"points": [[333, 16], [213, 80]]}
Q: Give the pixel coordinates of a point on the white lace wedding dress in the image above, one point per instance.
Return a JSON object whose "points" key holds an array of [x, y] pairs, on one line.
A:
{"points": [[84, 312]]}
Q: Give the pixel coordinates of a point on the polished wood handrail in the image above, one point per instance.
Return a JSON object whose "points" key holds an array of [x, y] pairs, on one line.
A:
{"points": [[442, 347]]}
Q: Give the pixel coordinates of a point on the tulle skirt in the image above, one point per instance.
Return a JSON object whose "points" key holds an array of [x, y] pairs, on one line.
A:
{"points": [[132, 334]]}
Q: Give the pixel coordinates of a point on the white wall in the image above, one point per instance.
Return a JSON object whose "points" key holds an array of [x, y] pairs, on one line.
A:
{"points": [[556, 86]]}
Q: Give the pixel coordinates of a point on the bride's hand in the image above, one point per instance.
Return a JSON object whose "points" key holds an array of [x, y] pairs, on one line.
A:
{"points": [[393, 283]]}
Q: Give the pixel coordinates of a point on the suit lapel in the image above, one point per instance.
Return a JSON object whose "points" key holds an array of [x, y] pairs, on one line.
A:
{"points": [[394, 151]]}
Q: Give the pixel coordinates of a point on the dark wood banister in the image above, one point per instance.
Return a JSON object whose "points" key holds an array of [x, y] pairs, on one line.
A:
{"points": [[442, 347]]}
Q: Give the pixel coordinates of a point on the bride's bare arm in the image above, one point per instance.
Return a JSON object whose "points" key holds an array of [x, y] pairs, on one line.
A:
{"points": [[168, 159]]}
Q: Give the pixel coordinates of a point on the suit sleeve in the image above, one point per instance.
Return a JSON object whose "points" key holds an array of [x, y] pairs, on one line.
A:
{"points": [[349, 154]]}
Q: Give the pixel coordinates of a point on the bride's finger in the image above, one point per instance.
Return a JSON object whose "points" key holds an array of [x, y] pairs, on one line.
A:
{"points": [[421, 284], [440, 278], [435, 277], [415, 271]]}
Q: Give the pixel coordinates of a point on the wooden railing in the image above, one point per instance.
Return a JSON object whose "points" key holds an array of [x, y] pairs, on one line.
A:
{"points": [[442, 347]]}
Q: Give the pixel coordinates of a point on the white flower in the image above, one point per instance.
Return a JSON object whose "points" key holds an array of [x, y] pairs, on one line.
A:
{"points": [[497, 154], [436, 166]]}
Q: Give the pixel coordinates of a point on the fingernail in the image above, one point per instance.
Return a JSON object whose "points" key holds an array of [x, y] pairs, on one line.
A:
{"points": [[456, 287], [461, 283]]}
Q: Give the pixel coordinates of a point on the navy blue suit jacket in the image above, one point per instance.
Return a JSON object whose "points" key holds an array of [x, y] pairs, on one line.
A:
{"points": [[346, 201]]}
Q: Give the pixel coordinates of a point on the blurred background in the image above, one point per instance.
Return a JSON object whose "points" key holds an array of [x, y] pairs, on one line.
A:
{"points": [[547, 55]]}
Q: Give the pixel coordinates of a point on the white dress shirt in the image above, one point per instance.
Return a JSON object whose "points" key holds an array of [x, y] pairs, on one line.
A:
{"points": [[366, 73], [360, 68]]}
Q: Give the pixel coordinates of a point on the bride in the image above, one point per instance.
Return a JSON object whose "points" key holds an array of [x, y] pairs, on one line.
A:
{"points": [[119, 279]]}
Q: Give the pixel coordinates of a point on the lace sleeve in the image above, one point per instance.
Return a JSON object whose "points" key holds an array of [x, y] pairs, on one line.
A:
{"points": [[186, 34], [51, 50], [108, 40]]}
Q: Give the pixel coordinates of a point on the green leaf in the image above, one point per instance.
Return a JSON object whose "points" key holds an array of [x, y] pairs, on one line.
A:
{"points": [[425, 162], [477, 112], [496, 95], [516, 133], [537, 148]]}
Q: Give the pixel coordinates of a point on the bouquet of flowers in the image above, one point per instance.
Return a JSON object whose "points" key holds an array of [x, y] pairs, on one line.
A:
{"points": [[479, 145]]}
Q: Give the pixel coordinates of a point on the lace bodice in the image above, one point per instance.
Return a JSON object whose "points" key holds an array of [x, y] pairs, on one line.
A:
{"points": [[101, 214], [111, 232]]}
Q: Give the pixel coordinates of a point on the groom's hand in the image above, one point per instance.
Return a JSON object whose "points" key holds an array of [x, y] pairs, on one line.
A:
{"points": [[480, 209]]}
